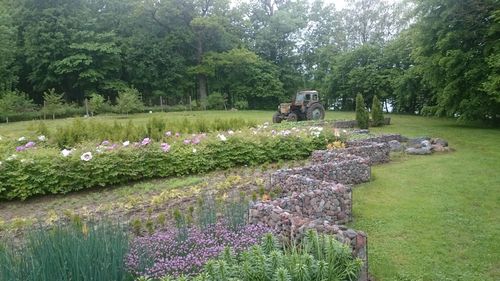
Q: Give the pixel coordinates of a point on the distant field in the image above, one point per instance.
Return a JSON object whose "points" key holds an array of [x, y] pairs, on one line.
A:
{"points": [[19, 128], [427, 218]]}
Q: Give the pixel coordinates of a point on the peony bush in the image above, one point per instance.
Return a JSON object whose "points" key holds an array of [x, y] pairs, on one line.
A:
{"points": [[41, 169]]}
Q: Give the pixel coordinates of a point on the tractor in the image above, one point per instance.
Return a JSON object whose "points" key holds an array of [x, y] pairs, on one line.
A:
{"points": [[304, 106]]}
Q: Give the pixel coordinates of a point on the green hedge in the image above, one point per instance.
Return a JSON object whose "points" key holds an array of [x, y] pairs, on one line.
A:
{"points": [[46, 171]]}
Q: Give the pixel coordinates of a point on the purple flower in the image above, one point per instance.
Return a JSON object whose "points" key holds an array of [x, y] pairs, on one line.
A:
{"points": [[20, 148], [165, 147], [146, 141], [196, 140], [30, 144], [105, 143], [163, 253]]}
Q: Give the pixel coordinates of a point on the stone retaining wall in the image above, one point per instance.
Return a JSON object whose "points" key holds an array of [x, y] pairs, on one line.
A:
{"points": [[376, 153], [289, 226], [379, 139], [353, 171]]}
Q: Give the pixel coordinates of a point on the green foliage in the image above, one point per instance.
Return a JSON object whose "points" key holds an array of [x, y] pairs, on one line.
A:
{"points": [[86, 252], [361, 112], [216, 101], [80, 130], [377, 114], [96, 103], [47, 172], [129, 101], [318, 257], [52, 102], [241, 104], [14, 103]]}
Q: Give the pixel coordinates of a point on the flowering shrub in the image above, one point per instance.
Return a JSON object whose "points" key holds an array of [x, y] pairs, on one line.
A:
{"points": [[164, 253], [46, 170]]}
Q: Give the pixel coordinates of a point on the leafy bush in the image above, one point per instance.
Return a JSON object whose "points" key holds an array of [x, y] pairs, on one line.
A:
{"points": [[12, 103], [129, 101], [96, 103], [241, 104], [46, 171], [361, 112], [76, 252], [215, 101], [377, 114], [168, 253], [52, 102], [318, 257]]}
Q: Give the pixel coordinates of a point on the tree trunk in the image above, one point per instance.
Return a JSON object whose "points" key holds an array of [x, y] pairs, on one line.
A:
{"points": [[202, 79]]}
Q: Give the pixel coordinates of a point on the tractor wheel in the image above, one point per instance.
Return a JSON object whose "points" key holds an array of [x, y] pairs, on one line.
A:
{"points": [[277, 118], [315, 112], [292, 117]]}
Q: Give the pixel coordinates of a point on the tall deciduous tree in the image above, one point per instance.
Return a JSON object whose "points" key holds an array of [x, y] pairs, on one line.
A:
{"points": [[453, 46]]}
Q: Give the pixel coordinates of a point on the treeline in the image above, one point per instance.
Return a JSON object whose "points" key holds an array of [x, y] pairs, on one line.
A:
{"points": [[436, 57]]}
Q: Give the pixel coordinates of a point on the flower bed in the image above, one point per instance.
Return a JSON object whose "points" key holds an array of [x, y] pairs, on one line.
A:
{"points": [[39, 169], [168, 253]]}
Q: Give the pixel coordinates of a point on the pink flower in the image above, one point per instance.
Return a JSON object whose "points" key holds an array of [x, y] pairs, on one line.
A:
{"points": [[187, 141], [196, 141], [146, 141], [177, 135], [165, 147]]}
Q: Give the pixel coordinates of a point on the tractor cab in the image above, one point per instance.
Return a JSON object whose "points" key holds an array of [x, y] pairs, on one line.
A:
{"points": [[303, 98]]}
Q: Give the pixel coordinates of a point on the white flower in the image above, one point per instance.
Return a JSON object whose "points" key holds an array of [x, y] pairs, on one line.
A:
{"points": [[126, 143], [12, 157], [222, 137], [150, 112], [231, 132], [87, 156], [42, 138], [21, 139], [194, 150], [66, 152]]}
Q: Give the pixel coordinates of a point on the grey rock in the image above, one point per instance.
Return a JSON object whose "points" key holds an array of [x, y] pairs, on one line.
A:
{"points": [[395, 145], [417, 142], [418, 151], [438, 141]]}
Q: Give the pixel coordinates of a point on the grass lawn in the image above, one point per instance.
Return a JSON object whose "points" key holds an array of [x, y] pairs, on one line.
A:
{"points": [[435, 217], [427, 217]]}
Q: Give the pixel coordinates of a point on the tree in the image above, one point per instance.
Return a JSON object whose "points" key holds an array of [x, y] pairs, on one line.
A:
{"points": [[12, 102], [361, 112], [52, 102], [96, 103], [377, 113], [8, 48], [453, 41], [128, 101]]}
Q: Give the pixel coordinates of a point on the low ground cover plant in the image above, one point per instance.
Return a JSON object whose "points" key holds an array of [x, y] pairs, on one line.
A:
{"points": [[74, 252], [177, 252], [317, 257]]}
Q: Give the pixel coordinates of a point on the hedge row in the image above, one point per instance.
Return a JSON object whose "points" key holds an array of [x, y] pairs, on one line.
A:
{"points": [[46, 171]]}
